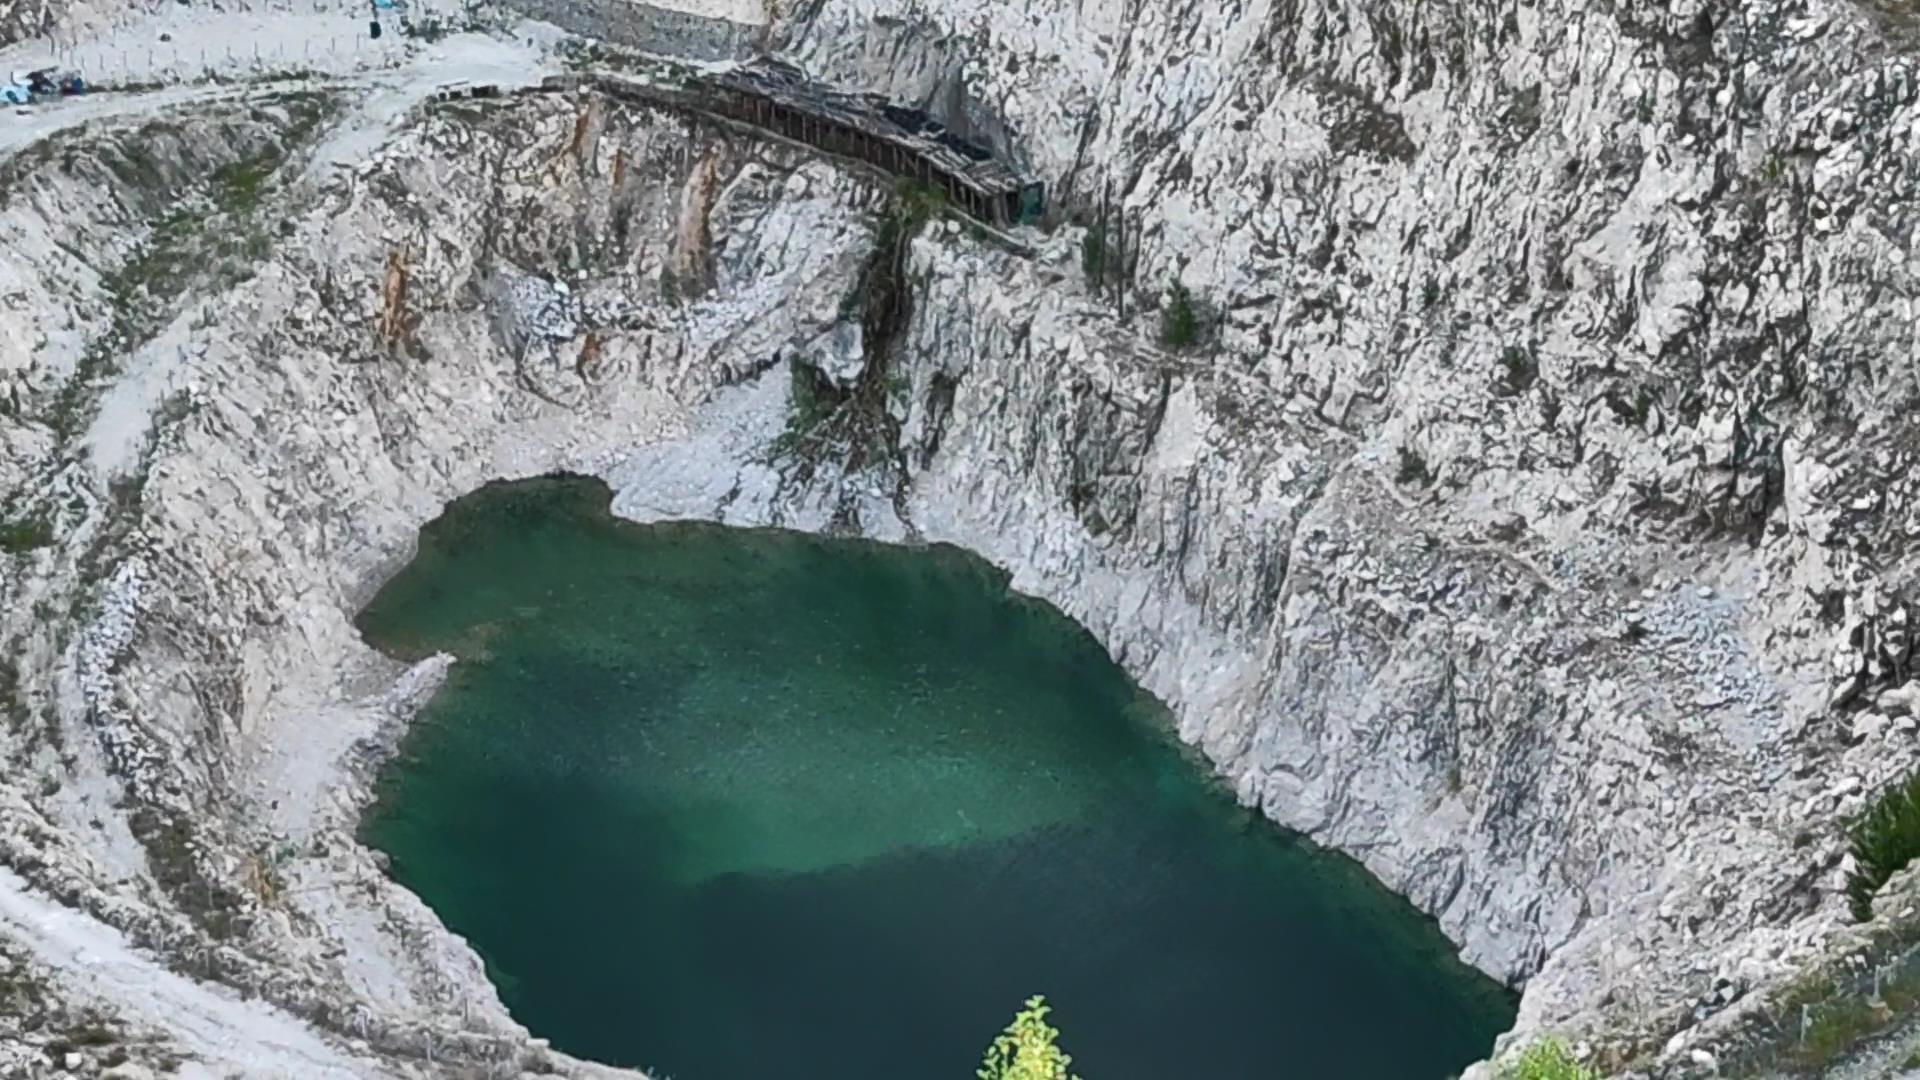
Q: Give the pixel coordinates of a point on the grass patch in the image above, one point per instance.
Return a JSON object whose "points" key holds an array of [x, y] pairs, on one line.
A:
{"points": [[25, 534], [1883, 841], [1833, 1029], [213, 236], [238, 187], [22, 993], [1548, 1059], [169, 842], [1826, 1016], [92, 1033]]}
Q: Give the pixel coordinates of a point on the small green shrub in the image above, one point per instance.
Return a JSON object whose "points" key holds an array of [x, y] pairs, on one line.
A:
{"points": [[25, 534], [1521, 369], [809, 404], [1028, 1049], [914, 204], [1179, 319], [238, 187], [1884, 840], [1413, 468], [1548, 1059]]}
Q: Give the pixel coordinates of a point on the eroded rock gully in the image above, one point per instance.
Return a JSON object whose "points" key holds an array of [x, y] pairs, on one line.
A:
{"points": [[1534, 528]]}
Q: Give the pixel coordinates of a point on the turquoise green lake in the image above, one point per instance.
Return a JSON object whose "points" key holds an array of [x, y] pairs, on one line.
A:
{"points": [[736, 804]]}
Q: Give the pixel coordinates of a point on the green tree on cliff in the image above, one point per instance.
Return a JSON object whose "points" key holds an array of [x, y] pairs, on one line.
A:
{"points": [[1027, 1049], [1179, 318]]}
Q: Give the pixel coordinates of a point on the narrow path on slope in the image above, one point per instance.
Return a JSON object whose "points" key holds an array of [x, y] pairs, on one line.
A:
{"points": [[94, 961], [389, 93]]}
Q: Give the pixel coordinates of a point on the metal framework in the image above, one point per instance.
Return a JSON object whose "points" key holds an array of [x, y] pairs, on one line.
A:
{"points": [[867, 127]]}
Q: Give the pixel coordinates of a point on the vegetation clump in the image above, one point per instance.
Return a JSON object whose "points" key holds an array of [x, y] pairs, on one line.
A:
{"points": [[1548, 1059], [1028, 1049], [915, 204], [1093, 256], [857, 418], [25, 534], [1413, 468], [1884, 840], [1179, 319], [1520, 368], [810, 401]]}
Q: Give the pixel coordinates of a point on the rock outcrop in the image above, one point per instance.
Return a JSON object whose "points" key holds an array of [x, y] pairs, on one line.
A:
{"points": [[1537, 524]]}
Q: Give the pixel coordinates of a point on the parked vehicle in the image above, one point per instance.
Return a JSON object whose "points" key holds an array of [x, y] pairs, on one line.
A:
{"points": [[52, 82], [29, 87]]}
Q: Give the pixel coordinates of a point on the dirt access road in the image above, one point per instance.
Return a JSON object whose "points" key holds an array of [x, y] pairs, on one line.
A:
{"points": [[392, 78]]}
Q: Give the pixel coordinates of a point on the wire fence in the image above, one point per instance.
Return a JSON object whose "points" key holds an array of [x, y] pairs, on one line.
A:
{"points": [[249, 40]]}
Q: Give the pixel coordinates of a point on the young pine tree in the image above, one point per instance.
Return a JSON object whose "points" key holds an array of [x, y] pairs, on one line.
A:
{"points": [[1026, 1050]]}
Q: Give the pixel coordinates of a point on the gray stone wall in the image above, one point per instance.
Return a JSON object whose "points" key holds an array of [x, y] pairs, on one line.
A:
{"points": [[643, 26]]}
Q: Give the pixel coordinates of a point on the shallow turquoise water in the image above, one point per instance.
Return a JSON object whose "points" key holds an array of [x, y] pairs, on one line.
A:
{"points": [[748, 805]]}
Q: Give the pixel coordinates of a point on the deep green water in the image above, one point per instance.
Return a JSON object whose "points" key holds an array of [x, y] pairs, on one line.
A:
{"points": [[750, 805]]}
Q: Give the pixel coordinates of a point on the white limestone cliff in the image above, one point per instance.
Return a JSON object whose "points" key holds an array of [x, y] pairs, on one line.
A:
{"points": [[1535, 529]]}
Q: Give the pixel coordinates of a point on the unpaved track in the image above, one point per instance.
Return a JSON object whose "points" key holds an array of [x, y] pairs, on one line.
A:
{"points": [[95, 962], [385, 95]]}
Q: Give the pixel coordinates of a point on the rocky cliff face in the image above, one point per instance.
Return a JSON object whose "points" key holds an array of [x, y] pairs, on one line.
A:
{"points": [[1532, 524], [241, 379], [1537, 527]]}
